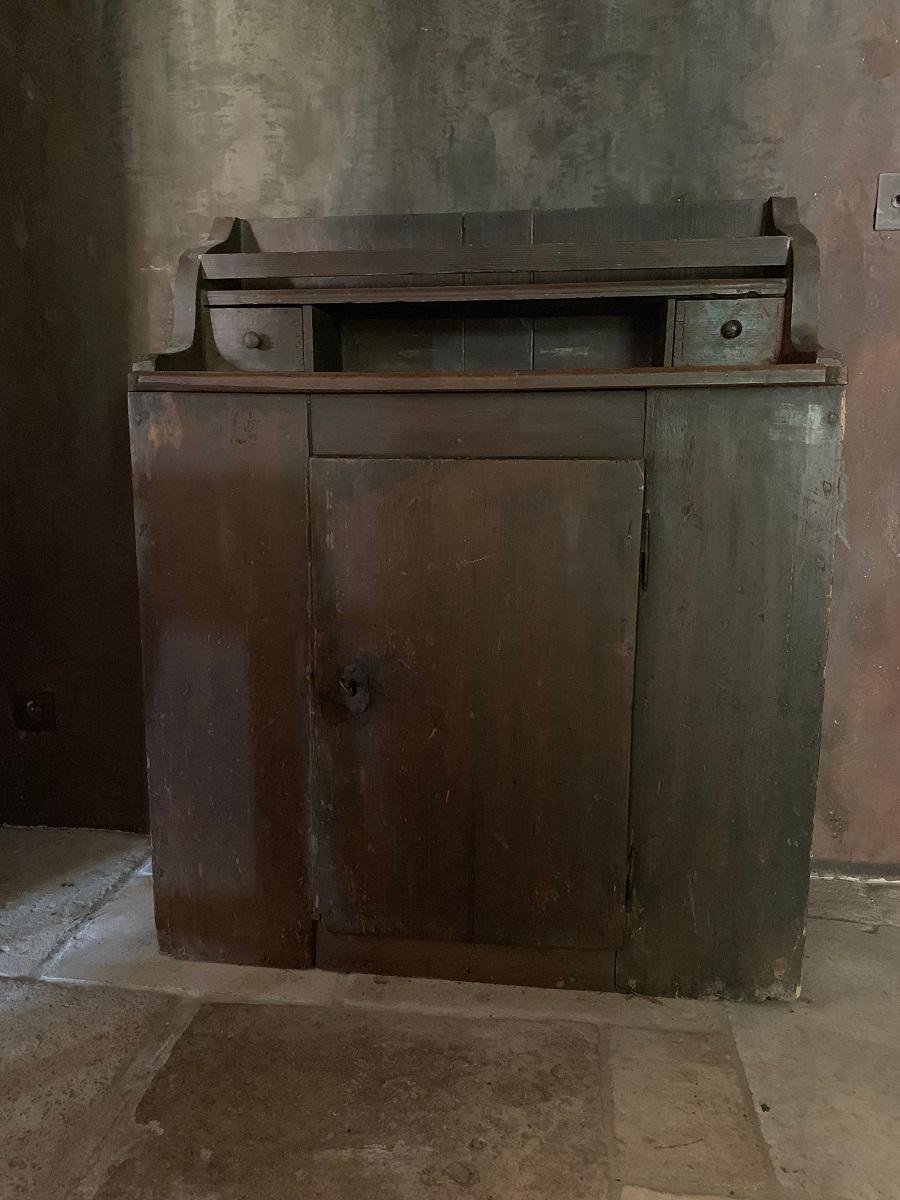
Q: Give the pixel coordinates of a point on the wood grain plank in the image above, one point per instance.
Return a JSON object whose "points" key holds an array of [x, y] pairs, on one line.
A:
{"points": [[533, 425], [607, 256], [604, 339], [777, 374], [356, 234], [466, 803], [220, 520], [742, 495], [698, 335], [520, 966], [275, 334], [410, 344], [711, 219], [640, 222], [483, 290]]}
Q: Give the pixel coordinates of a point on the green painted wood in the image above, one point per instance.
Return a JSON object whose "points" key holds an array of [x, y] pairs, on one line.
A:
{"points": [[742, 489]]}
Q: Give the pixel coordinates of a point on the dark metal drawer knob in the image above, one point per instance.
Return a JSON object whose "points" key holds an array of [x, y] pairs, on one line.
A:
{"points": [[353, 682], [252, 340], [731, 329]]}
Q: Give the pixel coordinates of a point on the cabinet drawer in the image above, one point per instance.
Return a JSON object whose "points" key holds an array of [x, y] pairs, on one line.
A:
{"points": [[480, 425], [727, 332], [255, 339]]}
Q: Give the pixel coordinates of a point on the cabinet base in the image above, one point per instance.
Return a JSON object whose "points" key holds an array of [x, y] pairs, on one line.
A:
{"points": [[525, 966]]}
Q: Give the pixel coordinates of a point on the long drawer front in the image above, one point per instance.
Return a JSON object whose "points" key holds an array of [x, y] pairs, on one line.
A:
{"points": [[598, 424]]}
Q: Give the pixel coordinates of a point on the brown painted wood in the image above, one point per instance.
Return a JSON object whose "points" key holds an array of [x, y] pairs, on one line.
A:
{"points": [[803, 340], [324, 334], [528, 966], [255, 339], [698, 338], [504, 292], [498, 341], [603, 340], [777, 374], [605, 424], [742, 497], [645, 222], [358, 235], [709, 219], [444, 839], [606, 256], [414, 344], [185, 348], [220, 520], [482, 795], [487, 229]]}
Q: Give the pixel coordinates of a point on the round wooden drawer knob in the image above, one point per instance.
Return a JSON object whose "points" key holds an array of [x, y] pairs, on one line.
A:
{"points": [[731, 329], [252, 340]]}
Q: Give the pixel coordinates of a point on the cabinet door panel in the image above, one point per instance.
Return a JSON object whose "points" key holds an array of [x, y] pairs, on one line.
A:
{"points": [[482, 794]]}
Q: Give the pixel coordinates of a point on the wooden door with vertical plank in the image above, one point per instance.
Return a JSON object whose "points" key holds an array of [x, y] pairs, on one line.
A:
{"points": [[482, 794]]}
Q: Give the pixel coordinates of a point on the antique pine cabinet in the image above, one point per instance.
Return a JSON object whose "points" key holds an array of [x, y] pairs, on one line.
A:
{"points": [[485, 563]]}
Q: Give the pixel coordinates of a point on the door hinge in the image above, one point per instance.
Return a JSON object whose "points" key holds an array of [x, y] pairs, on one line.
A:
{"points": [[645, 550]]}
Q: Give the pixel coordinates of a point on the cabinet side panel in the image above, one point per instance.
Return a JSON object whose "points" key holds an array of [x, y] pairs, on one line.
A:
{"points": [[742, 488], [220, 516]]}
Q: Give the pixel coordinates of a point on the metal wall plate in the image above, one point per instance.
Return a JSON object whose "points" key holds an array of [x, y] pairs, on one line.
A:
{"points": [[887, 207]]}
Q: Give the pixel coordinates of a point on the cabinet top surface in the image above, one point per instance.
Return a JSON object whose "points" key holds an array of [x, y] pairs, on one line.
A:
{"points": [[775, 375]]}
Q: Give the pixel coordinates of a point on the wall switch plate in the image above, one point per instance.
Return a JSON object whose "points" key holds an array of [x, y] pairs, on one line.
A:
{"points": [[887, 206], [34, 712]]}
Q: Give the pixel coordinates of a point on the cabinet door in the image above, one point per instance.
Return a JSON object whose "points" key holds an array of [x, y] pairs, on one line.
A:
{"points": [[483, 616]]}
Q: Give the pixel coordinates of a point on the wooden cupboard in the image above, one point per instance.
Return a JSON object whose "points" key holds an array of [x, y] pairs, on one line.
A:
{"points": [[459, 662]]}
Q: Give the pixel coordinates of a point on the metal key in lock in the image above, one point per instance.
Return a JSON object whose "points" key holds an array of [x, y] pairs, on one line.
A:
{"points": [[353, 682]]}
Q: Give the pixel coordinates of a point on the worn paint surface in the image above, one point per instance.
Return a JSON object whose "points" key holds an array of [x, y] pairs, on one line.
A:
{"points": [[180, 110]]}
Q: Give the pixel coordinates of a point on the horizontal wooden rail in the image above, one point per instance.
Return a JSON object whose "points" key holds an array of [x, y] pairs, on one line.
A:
{"points": [[624, 289], [485, 381], [678, 254]]}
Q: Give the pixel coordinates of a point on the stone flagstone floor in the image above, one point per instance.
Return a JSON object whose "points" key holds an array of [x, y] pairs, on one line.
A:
{"points": [[128, 1076]]}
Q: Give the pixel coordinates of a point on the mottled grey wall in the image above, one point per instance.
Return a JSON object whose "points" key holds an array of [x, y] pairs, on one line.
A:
{"points": [[280, 107]]}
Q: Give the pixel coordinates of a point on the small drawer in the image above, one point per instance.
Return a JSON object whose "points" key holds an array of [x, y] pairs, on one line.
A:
{"points": [[255, 339], [727, 332]]}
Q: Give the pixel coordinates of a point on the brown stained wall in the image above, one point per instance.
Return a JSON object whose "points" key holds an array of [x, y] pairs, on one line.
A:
{"points": [[280, 107]]}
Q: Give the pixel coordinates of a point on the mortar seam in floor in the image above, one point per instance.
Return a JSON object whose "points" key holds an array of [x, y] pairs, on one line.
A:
{"points": [[66, 938], [750, 1100], [110, 1130], [336, 1003], [608, 1102]]}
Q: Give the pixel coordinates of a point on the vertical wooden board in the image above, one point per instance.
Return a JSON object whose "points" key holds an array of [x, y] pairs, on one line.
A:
{"points": [[601, 339], [321, 340], [220, 518], [482, 796], [742, 487], [498, 343], [484, 229], [495, 343], [412, 343]]}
